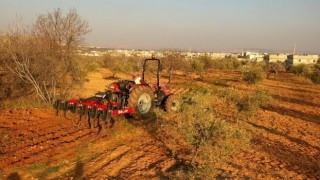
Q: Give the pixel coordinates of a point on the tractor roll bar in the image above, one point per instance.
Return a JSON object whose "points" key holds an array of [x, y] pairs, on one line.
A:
{"points": [[158, 70]]}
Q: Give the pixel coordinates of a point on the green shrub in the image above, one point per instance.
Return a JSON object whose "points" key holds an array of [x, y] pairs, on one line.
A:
{"points": [[229, 93], [308, 71], [275, 67], [227, 64], [315, 75], [301, 69], [198, 67], [253, 75], [246, 106], [208, 136], [250, 103], [209, 128]]}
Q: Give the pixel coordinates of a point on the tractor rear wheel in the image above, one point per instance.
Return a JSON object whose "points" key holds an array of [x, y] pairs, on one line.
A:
{"points": [[142, 100], [173, 104]]}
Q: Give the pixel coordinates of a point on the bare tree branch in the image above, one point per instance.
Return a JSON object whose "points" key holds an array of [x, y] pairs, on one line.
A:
{"points": [[44, 55]]}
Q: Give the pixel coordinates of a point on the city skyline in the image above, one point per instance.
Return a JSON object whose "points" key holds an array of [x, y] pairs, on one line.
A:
{"points": [[198, 25]]}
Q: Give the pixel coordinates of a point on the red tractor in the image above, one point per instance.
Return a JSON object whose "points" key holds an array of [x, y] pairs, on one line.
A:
{"points": [[125, 97]]}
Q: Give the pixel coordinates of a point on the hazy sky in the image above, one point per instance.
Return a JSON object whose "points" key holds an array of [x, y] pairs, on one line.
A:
{"points": [[203, 25]]}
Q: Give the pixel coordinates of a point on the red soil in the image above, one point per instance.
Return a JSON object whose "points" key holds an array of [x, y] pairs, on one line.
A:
{"points": [[286, 141]]}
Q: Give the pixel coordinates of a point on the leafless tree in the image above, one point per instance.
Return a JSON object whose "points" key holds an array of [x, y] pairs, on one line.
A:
{"points": [[61, 32], [173, 60], [44, 55]]}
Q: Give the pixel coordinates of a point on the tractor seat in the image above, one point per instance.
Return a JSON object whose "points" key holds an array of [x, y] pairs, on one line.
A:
{"points": [[125, 85]]}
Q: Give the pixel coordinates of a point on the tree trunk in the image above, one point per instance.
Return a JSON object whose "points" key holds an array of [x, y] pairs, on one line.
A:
{"points": [[170, 72]]}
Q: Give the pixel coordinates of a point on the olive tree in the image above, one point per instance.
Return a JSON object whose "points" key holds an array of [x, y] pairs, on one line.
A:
{"points": [[275, 68], [172, 61], [315, 74]]}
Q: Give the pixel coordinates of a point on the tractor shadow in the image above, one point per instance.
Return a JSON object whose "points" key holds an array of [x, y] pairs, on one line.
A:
{"points": [[152, 125], [14, 176], [79, 170], [147, 122]]}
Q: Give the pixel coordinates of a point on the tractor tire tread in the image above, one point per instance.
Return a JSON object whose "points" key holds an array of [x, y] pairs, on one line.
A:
{"points": [[134, 97]]}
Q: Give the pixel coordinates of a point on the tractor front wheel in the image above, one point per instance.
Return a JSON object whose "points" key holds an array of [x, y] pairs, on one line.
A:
{"points": [[142, 100]]}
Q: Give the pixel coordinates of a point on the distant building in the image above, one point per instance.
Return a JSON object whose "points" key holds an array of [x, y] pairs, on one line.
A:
{"points": [[90, 53], [218, 55], [271, 58], [191, 55], [254, 56], [302, 59]]}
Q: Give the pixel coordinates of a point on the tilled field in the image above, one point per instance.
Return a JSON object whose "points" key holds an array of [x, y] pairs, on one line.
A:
{"points": [[286, 134], [286, 141], [36, 143]]}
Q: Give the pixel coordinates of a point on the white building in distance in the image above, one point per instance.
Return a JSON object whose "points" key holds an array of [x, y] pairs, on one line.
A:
{"points": [[272, 58], [256, 56], [302, 59]]}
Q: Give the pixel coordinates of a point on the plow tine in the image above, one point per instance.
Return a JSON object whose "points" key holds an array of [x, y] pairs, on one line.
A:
{"points": [[60, 105], [73, 109], [83, 112], [92, 116], [102, 121], [104, 115], [56, 106]]}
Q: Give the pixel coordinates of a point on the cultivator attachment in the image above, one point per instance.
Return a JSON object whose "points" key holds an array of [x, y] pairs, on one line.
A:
{"points": [[102, 106]]}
